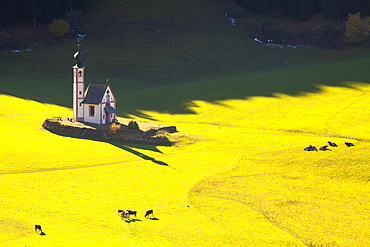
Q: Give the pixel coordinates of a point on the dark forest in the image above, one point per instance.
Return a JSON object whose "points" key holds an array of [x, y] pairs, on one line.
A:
{"points": [[306, 9], [35, 12]]}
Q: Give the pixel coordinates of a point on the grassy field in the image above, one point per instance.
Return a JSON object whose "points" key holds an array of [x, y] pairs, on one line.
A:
{"points": [[238, 175]]}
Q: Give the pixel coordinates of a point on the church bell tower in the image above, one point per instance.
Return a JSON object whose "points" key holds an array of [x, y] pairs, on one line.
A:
{"points": [[78, 87]]}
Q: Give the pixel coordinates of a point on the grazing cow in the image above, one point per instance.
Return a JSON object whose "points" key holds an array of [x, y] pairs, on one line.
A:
{"points": [[148, 213], [310, 148], [38, 229], [349, 144], [332, 144], [127, 213], [324, 148], [130, 212]]}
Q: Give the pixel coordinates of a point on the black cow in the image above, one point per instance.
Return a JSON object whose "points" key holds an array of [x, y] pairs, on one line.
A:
{"points": [[324, 148], [310, 148], [38, 229], [148, 213], [349, 144], [332, 144]]}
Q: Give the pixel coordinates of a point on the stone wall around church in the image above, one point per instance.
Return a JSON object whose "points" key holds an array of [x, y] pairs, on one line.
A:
{"points": [[150, 136]]}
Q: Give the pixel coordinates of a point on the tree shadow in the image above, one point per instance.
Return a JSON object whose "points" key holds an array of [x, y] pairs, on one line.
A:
{"points": [[294, 82], [290, 80]]}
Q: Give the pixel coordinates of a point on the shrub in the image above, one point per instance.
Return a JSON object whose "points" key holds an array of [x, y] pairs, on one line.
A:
{"points": [[115, 128], [133, 125], [357, 30], [59, 27]]}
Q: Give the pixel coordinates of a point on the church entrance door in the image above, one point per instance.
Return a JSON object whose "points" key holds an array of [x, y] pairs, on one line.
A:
{"points": [[107, 118]]}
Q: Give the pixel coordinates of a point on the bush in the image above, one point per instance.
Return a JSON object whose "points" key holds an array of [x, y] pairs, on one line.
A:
{"points": [[115, 128], [59, 27], [357, 30], [133, 125]]}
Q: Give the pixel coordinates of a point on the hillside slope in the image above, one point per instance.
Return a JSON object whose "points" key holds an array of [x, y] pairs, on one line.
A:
{"points": [[239, 176], [141, 42], [167, 41]]}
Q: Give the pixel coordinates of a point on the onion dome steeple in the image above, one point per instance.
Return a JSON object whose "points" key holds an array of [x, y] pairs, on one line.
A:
{"points": [[78, 57]]}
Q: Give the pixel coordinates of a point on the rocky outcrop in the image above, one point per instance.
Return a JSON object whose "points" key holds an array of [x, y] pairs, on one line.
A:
{"points": [[151, 136]]}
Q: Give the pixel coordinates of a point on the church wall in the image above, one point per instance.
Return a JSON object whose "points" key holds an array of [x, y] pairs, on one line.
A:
{"points": [[102, 113], [108, 97], [78, 93], [92, 119]]}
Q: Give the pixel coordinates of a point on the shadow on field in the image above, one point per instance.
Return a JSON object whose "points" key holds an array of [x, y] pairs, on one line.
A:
{"points": [[131, 220], [141, 155], [294, 82], [166, 67], [179, 97], [127, 147]]}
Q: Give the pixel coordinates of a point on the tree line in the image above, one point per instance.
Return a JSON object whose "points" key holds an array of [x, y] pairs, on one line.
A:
{"points": [[305, 9], [36, 12]]}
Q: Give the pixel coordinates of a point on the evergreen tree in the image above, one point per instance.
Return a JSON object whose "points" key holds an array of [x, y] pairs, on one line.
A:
{"points": [[355, 6], [331, 8], [32, 11], [294, 8], [35, 12], [366, 7], [8, 13], [307, 8], [258, 6], [50, 10], [244, 3]]}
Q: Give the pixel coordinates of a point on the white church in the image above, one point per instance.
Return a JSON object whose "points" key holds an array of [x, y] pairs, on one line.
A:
{"points": [[95, 105]]}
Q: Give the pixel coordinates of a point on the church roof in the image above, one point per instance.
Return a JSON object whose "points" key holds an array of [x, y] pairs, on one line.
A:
{"points": [[95, 93], [78, 57], [110, 109]]}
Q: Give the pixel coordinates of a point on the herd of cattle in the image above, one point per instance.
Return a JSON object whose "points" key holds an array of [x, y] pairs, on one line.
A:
{"points": [[325, 147], [125, 214]]}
